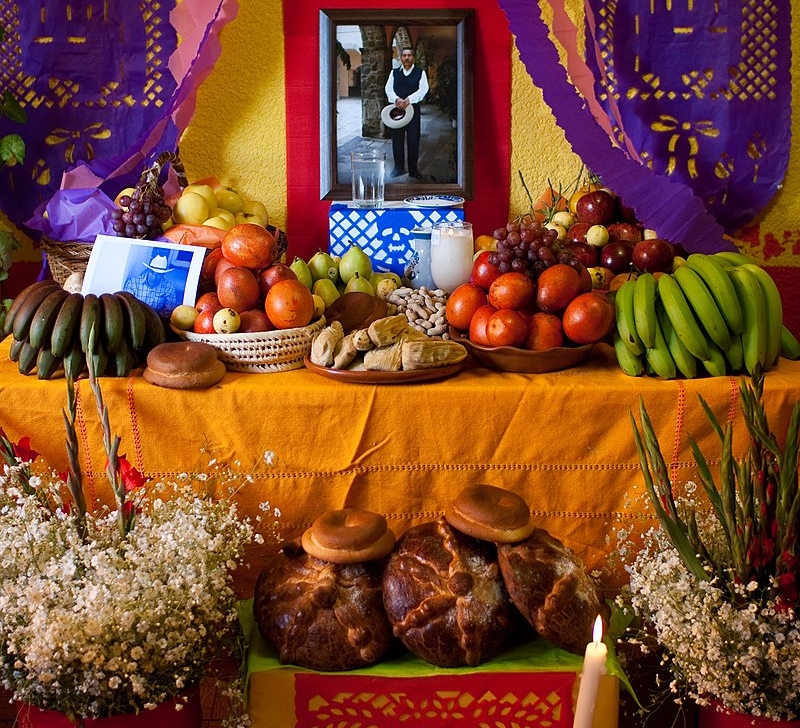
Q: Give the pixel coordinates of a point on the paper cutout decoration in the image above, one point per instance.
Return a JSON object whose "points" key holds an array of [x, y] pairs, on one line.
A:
{"points": [[105, 85], [670, 208], [702, 91]]}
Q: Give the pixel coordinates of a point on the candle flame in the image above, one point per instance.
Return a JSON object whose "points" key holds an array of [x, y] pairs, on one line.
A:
{"points": [[597, 631]]}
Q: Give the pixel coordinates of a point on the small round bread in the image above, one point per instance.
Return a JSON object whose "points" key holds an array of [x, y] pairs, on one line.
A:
{"points": [[549, 585], [348, 536], [490, 513], [184, 365], [320, 615]]}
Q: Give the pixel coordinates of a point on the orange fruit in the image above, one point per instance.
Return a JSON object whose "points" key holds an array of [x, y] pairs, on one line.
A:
{"points": [[250, 246], [557, 286], [485, 242], [462, 304], [544, 331], [237, 288], [477, 325], [506, 327], [511, 290], [289, 304]]}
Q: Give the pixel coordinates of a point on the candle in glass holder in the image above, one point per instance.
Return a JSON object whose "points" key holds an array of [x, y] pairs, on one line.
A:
{"points": [[452, 250], [594, 665]]}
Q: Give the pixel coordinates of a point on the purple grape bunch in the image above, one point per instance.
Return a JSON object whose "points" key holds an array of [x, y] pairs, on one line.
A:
{"points": [[142, 213]]}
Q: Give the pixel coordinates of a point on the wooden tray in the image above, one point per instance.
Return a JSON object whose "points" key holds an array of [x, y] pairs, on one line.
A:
{"points": [[371, 377]]}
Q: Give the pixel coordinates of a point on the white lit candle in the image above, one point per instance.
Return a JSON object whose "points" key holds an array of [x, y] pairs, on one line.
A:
{"points": [[594, 665]]}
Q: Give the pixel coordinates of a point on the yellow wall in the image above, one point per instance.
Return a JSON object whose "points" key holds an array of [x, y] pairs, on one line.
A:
{"points": [[239, 127]]}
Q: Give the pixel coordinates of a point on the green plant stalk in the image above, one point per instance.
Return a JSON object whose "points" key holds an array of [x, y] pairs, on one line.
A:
{"points": [[74, 473]]}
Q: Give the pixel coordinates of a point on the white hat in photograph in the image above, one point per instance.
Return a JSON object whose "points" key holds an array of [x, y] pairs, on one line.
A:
{"points": [[158, 264], [396, 118]]}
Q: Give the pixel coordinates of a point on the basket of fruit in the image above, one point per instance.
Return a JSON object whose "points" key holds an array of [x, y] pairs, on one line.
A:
{"points": [[261, 352]]}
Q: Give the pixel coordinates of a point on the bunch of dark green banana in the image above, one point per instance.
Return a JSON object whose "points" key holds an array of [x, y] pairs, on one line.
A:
{"points": [[718, 314], [50, 329]]}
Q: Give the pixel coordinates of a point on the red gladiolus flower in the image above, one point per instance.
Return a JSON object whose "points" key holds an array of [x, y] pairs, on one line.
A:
{"points": [[63, 475], [131, 477], [22, 450]]}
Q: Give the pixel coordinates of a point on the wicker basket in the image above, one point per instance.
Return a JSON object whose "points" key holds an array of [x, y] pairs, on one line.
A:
{"points": [[64, 259], [262, 352]]}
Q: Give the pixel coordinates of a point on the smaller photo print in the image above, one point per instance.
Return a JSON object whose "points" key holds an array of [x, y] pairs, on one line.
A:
{"points": [[161, 274]]}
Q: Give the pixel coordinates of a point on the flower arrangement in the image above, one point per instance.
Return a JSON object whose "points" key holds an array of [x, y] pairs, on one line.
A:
{"points": [[717, 580], [109, 611]]}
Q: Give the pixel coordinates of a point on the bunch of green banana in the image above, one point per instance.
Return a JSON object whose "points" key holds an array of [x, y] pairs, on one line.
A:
{"points": [[718, 314], [51, 327]]}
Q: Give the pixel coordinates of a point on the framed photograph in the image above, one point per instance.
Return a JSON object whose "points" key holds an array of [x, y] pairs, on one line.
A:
{"points": [[362, 60], [162, 275]]}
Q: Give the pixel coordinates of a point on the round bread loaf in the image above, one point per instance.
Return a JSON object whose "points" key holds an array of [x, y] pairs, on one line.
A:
{"points": [[321, 615], [550, 586], [445, 596], [490, 513], [348, 536], [184, 365]]}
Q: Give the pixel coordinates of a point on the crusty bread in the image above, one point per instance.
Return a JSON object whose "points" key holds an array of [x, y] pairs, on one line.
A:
{"points": [[321, 615], [551, 588], [490, 513], [445, 596], [184, 365]]}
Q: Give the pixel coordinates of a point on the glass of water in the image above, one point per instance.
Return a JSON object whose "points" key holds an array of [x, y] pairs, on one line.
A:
{"points": [[368, 168]]}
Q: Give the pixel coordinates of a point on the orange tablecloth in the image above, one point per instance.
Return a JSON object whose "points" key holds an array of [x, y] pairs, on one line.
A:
{"points": [[562, 440]]}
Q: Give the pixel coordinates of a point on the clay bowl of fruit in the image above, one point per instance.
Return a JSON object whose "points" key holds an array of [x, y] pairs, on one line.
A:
{"points": [[514, 359]]}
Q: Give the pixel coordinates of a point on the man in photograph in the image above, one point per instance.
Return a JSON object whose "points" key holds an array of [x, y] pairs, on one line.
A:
{"points": [[407, 86], [153, 287]]}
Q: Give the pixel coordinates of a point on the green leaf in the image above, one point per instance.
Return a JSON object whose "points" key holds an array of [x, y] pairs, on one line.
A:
{"points": [[12, 149], [12, 109]]}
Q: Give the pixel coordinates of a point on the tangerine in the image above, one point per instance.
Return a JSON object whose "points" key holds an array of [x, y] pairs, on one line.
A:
{"points": [[237, 288], [289, 304], [462, 304], [506, 327]]}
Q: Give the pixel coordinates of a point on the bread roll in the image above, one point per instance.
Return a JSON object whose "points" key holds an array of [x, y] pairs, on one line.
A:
{"points": [[321, 615], [551, 588], [445, 596], [184, 365]]}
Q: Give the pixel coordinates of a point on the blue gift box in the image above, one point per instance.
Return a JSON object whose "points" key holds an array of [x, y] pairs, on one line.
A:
{"points": [[384, 234]]}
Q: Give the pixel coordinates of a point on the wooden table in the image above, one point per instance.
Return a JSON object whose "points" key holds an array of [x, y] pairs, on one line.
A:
{"points": [[562, 440]]}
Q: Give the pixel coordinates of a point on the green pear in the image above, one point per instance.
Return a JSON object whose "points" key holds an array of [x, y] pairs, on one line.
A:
{"points": [[357, 283], [377, 277], [355, 260], [302, 271], [322, 265], [326, 289]]}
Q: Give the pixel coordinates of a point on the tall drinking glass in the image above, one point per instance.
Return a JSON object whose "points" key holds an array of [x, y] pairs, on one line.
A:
{"points": [[452, 249], [368, 170]]}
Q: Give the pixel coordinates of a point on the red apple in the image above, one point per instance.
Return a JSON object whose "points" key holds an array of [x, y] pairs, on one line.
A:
{"points": [[585, 253], [595, 208], [653, 255], [483, 272], [617, 256], [271, 275], [576, 233], [625, 231]]}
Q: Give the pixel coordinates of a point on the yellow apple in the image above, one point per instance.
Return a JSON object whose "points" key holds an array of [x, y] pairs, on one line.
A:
{"points": [[223, 213], [218, 222], [229, 199], [205, 191], [256, 207], [241, 217], [190, 208]]}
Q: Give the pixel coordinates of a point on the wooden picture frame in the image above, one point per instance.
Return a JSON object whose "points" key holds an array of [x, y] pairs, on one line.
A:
{"points": [[451, 95]]}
